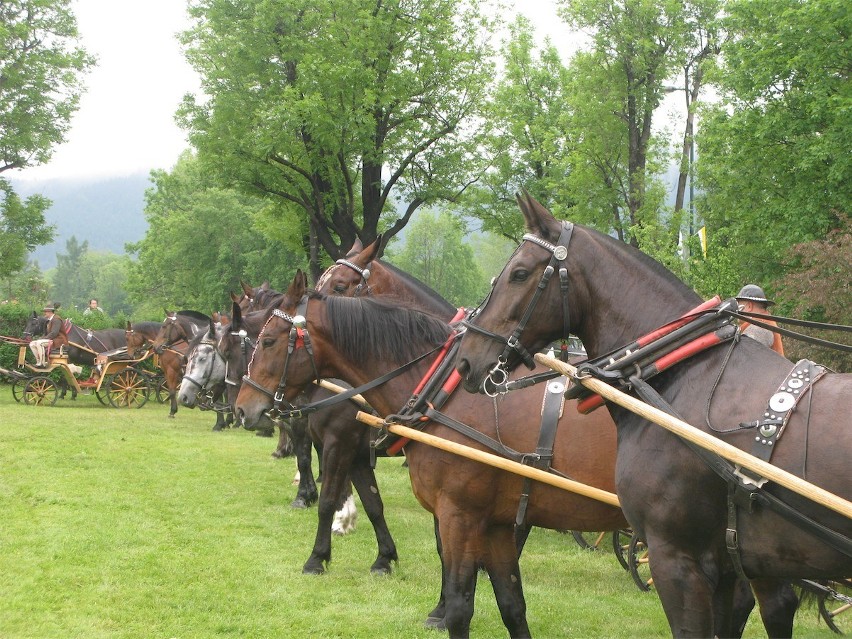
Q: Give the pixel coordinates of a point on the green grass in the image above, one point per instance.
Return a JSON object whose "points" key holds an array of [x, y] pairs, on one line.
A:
{"points": [[124, 523]]}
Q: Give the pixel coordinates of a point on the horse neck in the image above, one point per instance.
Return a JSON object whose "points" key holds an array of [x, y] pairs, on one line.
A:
{"points": [[625, 293], [385, 282]]}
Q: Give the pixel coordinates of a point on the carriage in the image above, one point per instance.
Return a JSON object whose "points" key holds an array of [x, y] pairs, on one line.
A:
{"points": [[122, 381]]}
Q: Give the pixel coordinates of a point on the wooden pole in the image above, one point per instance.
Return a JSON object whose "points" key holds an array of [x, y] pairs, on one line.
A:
{"points": [[696, 436], [492, 460]]}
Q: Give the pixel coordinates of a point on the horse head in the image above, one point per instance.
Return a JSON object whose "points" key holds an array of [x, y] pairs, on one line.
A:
{"points": [[36, 325], [280, 342], [532, 302], [351, 275]]}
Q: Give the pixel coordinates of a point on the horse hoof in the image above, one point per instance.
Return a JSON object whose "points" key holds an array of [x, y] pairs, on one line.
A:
{"points": [[380, 570], [263, 433], [312, 569], [278, 454], [299, 503], [217, 429], [435, 623], [171, 415]]}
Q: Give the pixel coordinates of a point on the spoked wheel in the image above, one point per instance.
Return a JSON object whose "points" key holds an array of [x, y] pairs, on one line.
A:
{"points": [[18, 389], [41, 391], [102, 393], [589, 540], [621, 544], [160, 388], [637, 563], [127, 389], [836, 606]]}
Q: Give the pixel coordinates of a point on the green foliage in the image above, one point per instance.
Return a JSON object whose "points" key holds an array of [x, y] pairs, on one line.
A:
{"points": [[528, 137], [41, 71], [339, 110], [774, 161], [435, 254], [22, 228], [201, 241]]}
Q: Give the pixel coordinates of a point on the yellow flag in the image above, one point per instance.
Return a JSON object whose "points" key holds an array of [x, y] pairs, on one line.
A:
{"points": [[702, 236]]}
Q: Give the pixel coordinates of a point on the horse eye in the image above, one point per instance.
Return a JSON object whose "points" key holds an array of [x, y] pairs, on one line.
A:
{"points": [[268, 342], [340, 289], [519, 275]]}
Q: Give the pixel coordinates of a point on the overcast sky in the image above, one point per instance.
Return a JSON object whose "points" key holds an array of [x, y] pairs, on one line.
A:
{"points": [[125, 123]]}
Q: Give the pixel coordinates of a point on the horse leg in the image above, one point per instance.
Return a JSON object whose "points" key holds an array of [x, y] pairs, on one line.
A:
{"points": [[337, 459], [364, 479], [462, 547], [346, 516], [302, 447], [778, 605], [502, 566], [685, 591], [435, 619], [732, 603], [285, 445]]}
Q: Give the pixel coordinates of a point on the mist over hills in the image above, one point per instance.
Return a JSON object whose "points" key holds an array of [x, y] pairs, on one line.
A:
{"points": [[107, 212]]}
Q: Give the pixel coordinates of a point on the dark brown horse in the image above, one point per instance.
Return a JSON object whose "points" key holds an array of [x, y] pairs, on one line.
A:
{"points": [[475, 505], [140, 337], [610, 295]]}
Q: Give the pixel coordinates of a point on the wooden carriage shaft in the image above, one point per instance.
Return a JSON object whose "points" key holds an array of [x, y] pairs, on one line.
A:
{"points": [[700, 438], [492, 460]]}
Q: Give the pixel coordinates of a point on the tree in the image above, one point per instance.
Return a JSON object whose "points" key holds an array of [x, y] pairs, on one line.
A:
{"points": [[342, 111], [41, 71], [435, 254], [202, 240], [639, 45], [528, 136], [774, 162], [22, 228], [40, 84], [71, 285]]}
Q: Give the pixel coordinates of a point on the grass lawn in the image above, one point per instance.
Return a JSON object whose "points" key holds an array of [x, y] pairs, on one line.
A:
{"points": [[127, 524]]}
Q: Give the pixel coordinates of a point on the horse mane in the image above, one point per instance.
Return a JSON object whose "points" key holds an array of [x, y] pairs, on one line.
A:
{"points": [[196, 315], [364, 327], [657, 269], [433, 295]]}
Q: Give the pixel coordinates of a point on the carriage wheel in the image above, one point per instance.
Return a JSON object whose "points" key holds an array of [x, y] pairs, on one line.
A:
{"points": [[158, 385], [41, 391], [637, 563], [18, 389], [102, 393], [588, 540], [621, 544], [127, 389], [835, 604]]}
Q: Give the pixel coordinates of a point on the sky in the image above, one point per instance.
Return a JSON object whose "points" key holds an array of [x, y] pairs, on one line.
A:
{"points": [[125, 123]]}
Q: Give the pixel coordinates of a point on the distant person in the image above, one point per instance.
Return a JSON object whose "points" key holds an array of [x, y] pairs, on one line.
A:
{"points": [[41, 345], [93, 308], [752, 299]]}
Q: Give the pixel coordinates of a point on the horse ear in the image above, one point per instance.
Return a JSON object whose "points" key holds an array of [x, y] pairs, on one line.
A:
{"points": [[129, 326], [264, 286], [537, 219], [236, 316], [246, 289], [374, 251], [34, 315], [357, 247], [233, 295], [298, 286], [211, 329]]}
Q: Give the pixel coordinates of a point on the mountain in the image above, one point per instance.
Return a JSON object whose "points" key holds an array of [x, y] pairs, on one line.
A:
{"points": [[107, 212]]}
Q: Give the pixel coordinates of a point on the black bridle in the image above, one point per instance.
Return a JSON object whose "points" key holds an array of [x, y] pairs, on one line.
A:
{"points": [[298, 337], [499, 374]]}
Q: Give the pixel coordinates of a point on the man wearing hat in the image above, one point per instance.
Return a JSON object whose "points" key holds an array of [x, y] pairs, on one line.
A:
{"points": [[40, 347], [752, 299]]}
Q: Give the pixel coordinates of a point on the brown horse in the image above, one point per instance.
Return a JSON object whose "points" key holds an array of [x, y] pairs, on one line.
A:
{"points": [[610, 295], [140, 337], [475, 506]]}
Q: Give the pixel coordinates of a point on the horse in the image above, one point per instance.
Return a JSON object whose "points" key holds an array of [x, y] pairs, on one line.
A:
{"points": [[335, 514], [609, 294], [205, 371], [475, 506], [140, 337]]}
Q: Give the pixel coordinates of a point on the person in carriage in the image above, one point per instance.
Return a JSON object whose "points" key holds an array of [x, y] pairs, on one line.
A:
{"points": [[41, 345]]}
